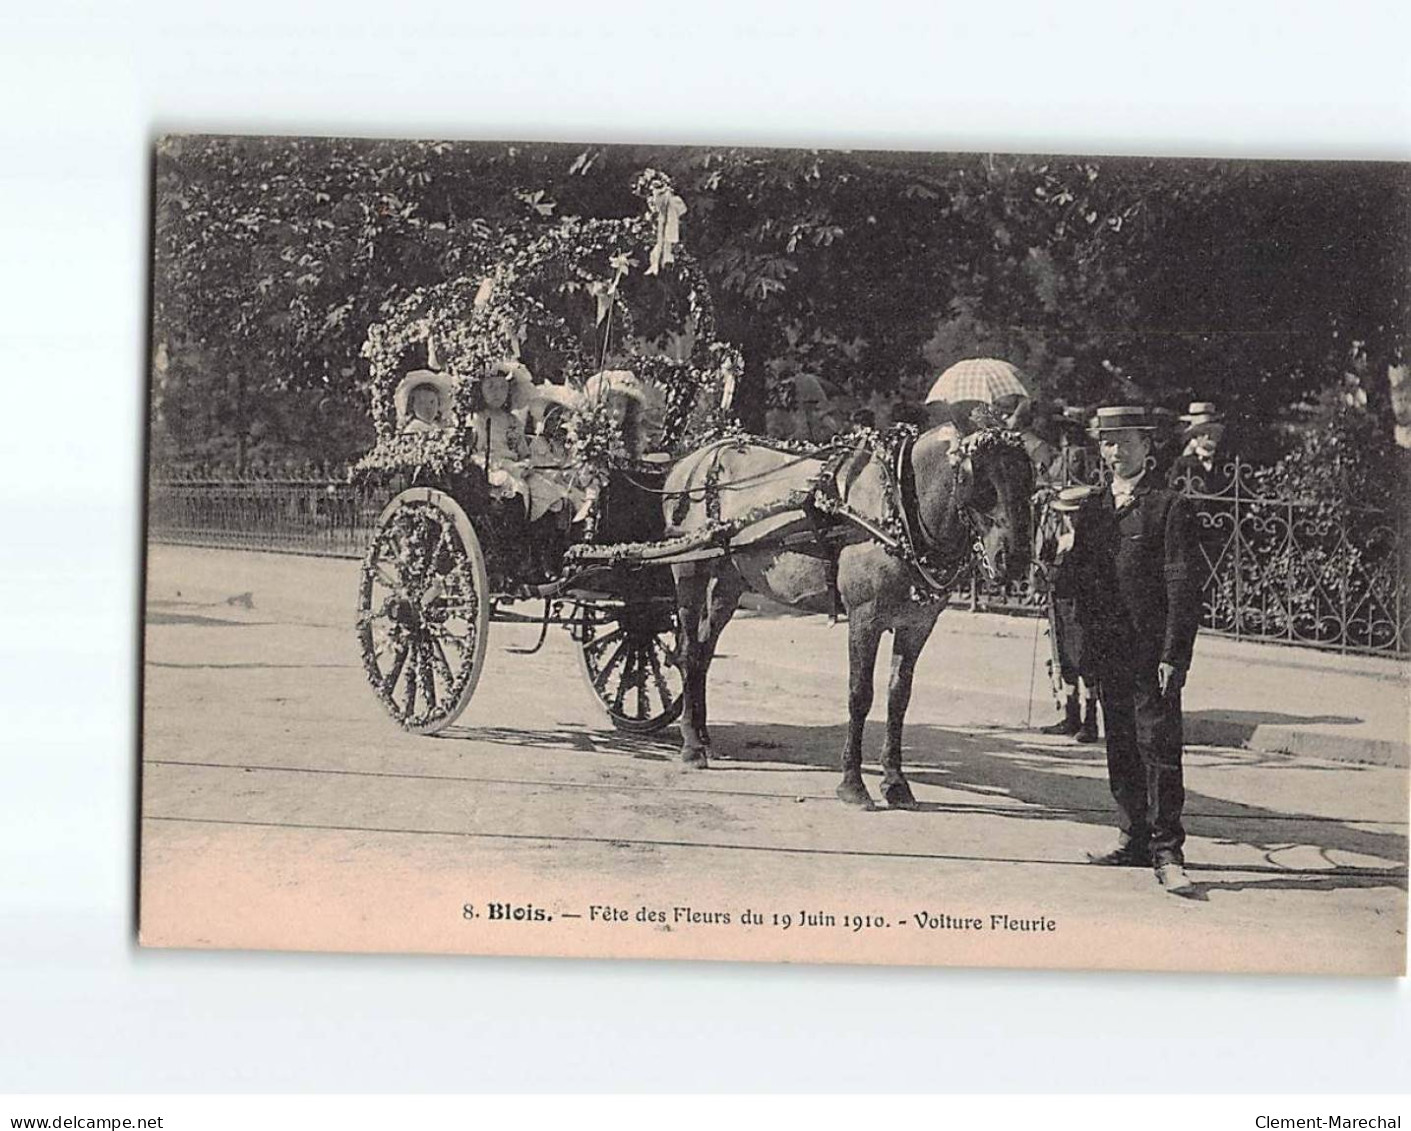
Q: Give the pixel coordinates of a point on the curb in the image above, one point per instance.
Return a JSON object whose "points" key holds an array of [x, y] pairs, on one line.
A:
{"points": [[1282, 739]]}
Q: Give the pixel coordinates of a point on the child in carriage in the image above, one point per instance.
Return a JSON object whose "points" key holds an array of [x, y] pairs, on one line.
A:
{"points": [[635, 411], [422, 401], [536, 468], [504, 398]]}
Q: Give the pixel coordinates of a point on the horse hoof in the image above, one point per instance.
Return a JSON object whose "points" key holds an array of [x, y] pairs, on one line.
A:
{"points": [[694, 759], [855, 793], [898, 795]]}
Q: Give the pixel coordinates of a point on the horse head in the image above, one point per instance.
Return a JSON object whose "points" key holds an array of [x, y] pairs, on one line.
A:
{"points": [[976, 492]]}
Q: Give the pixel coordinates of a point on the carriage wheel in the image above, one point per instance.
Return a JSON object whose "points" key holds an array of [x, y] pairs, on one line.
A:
{"points": [[424, 610], [628, 655]]}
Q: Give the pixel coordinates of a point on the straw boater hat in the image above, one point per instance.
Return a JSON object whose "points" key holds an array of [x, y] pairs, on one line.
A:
{"points": [[1118, 418], [443, 383], [1071, 499], [1202, 416], [1072, 419]]}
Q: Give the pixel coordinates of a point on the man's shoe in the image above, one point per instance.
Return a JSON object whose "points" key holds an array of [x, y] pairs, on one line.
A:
{"points": [[1087, 733], [1071, 721], [1128, 854], [1172, 876]]}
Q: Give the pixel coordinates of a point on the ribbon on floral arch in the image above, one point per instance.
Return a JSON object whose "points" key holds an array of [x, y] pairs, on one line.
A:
{"points": [[668, 209]]}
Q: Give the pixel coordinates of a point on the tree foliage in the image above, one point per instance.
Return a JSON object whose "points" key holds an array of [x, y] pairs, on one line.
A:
{"points": [[1253, 284]]}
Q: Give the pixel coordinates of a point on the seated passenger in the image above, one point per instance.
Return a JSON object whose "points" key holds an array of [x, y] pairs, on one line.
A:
{"points": [[637, 407], [637, 412], [505, 396], [423, 402]]}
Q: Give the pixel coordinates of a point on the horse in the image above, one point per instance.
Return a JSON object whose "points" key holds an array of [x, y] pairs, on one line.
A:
{"points": [[843, 529]]}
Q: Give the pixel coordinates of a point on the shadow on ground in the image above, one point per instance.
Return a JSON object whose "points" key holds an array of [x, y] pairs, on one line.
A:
{"points": [[662, 747], [999, 768], [157, 617], [1241, 725]]}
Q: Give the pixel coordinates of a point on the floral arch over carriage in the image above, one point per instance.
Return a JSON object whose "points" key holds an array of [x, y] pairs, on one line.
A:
{"points": [[582, 322]]}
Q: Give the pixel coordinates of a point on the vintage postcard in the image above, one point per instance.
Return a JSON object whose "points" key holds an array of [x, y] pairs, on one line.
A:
{"points": [[777, 555]]}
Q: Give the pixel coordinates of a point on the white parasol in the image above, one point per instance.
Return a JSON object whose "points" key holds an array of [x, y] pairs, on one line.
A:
{"points": [[985, 379]]}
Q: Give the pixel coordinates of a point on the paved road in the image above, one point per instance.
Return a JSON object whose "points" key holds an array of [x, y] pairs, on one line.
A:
{"points": [[281, 809]]}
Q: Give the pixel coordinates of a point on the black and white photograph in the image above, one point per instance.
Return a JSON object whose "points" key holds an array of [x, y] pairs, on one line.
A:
{"points": [[794, 555]]}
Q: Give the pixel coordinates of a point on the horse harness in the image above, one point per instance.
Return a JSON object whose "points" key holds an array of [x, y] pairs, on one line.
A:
{"points": [[901, 530], [913, 523]]}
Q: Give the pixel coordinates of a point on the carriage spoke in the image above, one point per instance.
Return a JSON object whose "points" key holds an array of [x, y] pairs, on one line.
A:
{"points": [[660, 677], [382, 639], [464, 642], [372, 616], [428, 677], [597, 644], [607, 669], [443, 606], [433, 549], [443, 664], [643, 709], [624, 683], [389, 683], [410, 707]]}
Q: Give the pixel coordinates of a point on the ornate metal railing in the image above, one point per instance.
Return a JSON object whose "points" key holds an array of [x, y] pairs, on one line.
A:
{"points": [[1280, 567], [304, 516], [1304, 571], [1276, 566]]}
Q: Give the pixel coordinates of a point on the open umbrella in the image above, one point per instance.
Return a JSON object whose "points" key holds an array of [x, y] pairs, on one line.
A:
{"points": [[985, 379]]}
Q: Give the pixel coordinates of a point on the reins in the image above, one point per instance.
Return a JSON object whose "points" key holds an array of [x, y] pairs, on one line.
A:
{"points": [[739, 484]]}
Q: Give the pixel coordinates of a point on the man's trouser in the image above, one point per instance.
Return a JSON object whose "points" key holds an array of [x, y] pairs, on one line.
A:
{"points": [[1144, 755], [1060, 625]]}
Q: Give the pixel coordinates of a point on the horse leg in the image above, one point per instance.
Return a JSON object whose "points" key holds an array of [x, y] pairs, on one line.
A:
{"points": [[864, 634], [907, 642], [692, 591], [721, 602]]}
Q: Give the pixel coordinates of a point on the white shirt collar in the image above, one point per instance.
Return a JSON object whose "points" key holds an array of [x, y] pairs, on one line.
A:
{"points": [[1122, 488]]}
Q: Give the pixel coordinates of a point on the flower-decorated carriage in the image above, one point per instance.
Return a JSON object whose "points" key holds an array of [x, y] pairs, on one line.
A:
{"points": [[520, 411]]}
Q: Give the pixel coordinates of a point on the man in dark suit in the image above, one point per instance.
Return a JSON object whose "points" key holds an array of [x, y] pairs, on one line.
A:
{"points": [[1140, 599], [1201, 465]]}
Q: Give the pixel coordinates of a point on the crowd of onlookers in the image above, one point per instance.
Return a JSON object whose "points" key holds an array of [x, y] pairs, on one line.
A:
{"points": [[1188, 449]]}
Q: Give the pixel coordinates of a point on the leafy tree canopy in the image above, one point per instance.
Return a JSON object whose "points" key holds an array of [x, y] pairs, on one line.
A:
{"points": [[1254, 284]]}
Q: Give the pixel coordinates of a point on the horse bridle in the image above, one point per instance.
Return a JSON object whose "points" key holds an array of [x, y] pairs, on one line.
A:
{"points": [[971, 520]]}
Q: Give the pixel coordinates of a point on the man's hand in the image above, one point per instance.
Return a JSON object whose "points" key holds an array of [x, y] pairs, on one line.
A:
{"points": [[1169, 679]]}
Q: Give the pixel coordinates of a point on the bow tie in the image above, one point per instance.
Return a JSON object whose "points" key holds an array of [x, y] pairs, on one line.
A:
{"points": [[1123, 491], [1122, 499]]}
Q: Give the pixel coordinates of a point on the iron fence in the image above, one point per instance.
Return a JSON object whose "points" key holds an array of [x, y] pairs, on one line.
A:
{"points": [[1280, 567], [303, 516], [1298, 570], [1276, 567]]}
